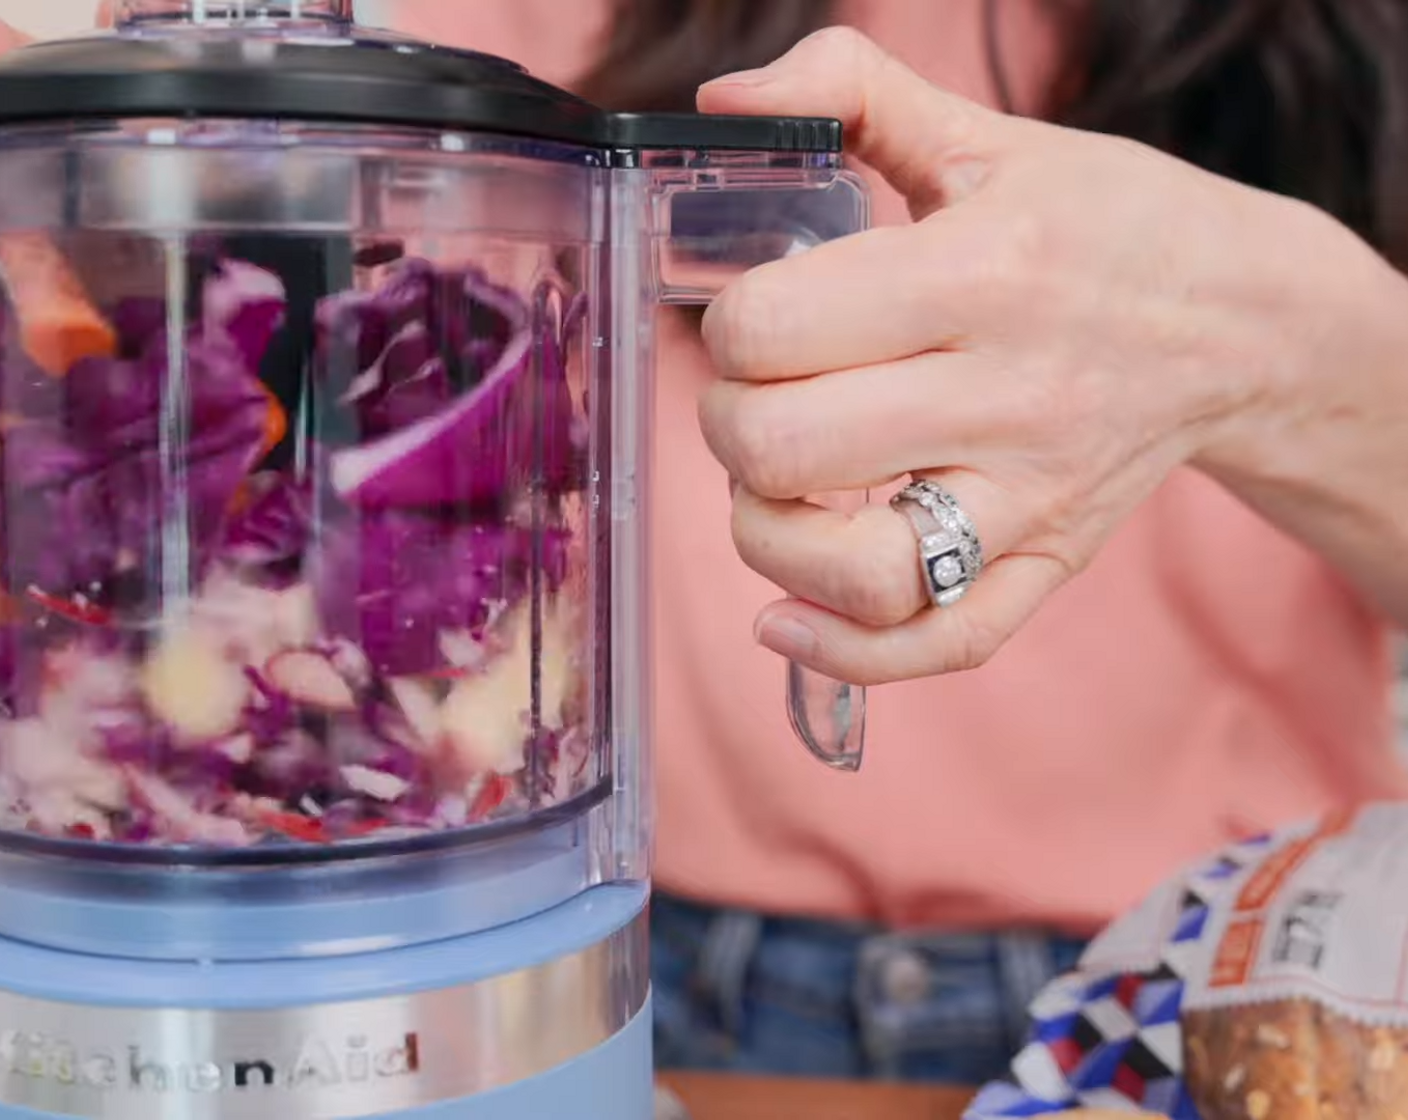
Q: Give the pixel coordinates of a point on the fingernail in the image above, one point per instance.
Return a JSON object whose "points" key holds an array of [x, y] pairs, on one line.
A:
{"points": [[786, 636], [743, 78]]}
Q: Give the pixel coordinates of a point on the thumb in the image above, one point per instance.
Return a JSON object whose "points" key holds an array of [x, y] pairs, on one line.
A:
{"points": [[932, 146], [11, 39]]}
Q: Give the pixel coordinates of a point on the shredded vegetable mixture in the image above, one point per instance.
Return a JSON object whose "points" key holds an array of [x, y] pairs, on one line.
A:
{"points": [[388, 640]]}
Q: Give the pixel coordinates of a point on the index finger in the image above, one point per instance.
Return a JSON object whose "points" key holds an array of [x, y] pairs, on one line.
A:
{"points": [[880, 296], [12, 39], [931, 145]]}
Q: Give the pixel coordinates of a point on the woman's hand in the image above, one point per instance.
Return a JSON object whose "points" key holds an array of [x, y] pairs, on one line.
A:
{"points": [[1071, 318], [12, 38]]}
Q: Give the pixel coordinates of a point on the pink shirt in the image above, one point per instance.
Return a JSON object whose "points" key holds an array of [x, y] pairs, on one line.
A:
{"points": [[1205, 677]]}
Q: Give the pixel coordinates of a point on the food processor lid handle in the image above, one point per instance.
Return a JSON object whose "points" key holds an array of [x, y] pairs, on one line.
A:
{"points": [[134, 12]]}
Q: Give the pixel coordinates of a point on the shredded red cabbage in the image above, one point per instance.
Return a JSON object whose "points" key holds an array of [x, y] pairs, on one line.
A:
{"points": [[463, 397], [357, 656]]}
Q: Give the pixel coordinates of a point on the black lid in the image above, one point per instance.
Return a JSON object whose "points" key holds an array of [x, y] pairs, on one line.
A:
{"points": [[338, 79]]}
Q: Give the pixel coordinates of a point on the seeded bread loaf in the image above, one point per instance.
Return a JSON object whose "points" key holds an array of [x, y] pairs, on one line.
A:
{"points": [[1294, 1060], [1267, 983]]}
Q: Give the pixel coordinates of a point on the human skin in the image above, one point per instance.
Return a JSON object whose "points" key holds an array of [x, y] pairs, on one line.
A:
{"points": [[11, 38], [1070, 318]]}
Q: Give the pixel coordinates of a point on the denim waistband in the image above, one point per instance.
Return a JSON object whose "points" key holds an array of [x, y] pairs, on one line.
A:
{"points": [[900, 989]]}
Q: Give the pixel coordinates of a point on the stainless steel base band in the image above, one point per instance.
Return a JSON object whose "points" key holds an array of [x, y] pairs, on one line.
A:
{"points": [[328, 1061]]}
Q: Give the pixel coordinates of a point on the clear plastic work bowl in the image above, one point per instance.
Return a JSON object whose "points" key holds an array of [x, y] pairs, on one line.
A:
{"points": [[303, 514]]}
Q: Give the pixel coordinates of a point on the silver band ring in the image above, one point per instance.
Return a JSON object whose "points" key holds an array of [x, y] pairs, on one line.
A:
{"points": [[950, 553]]}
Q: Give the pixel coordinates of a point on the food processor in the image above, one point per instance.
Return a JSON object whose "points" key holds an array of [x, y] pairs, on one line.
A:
{"points": [[325, 358]]}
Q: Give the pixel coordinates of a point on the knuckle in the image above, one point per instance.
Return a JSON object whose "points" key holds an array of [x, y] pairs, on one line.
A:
{"points": [[881, 588], [1021, 416], [1055, 410], [1050, 522], [749, 448], [973, 640], [841, 43], [716, 407], [1068, 551], [762, 445], [1021, 252], [742, 327], [752, 548], [1051, 408]]}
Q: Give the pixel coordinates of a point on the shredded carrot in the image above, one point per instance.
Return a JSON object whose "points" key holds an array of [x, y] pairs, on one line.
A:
{"points": [[239, 500], [75, 610], [59, 325], [494, 794], [363, 829], [10, 610], [275, 428], [449, 673], [295, 827], [275, 421]]}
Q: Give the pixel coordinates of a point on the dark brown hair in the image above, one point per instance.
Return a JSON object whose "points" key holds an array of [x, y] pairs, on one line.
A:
{"points": [[1308, 98]]}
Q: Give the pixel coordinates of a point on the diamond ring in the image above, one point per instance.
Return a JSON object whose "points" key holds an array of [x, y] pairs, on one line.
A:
{"points": [[950, 553]]}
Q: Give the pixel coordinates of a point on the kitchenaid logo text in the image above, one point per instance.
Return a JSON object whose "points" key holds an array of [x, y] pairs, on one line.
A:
{"points": [[316, 1064]]}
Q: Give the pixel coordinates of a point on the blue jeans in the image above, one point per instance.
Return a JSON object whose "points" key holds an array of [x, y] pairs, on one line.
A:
{"points": [[743, 993]]}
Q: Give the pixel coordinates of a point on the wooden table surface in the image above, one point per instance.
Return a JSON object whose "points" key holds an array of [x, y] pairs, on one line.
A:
{"points": [[733, 1098]]}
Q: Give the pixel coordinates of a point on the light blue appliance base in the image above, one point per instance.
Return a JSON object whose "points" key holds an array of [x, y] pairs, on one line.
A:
{"points": [[170, 1015], [613, 1082]]}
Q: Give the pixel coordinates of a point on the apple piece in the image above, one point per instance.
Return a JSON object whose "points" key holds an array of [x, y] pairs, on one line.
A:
{"points": [[311, 679], [485, 716], [190, 685], [375, 783]]}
